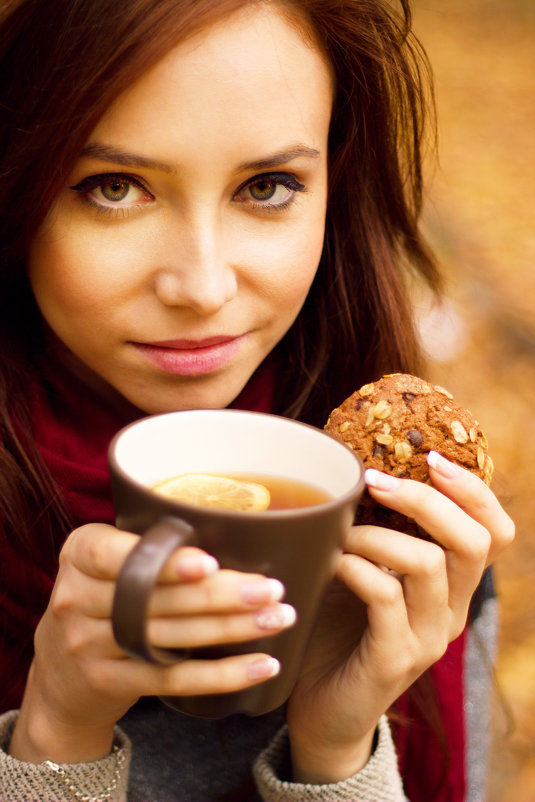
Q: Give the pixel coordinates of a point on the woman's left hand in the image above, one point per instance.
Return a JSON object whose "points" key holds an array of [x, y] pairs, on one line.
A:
{"points": [[408, 600]]}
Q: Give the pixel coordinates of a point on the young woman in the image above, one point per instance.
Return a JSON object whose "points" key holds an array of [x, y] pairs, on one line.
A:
{"points": [[216, 204]]}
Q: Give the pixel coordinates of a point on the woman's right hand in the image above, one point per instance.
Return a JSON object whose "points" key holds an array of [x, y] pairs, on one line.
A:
{"points": [[81, 682]]}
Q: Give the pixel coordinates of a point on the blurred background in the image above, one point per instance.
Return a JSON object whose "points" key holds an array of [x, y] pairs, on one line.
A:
{"points": [[480, 218]]}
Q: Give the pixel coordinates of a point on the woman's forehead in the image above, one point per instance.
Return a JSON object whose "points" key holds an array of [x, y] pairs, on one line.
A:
{"points": [[249, 79]]}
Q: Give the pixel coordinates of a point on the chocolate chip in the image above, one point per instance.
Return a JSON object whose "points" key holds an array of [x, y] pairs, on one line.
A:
{"points": [[379, 450], [415, 437], [359, 403]]}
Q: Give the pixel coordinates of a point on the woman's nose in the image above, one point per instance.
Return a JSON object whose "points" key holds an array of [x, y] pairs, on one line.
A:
{"points": [[195, 271]]}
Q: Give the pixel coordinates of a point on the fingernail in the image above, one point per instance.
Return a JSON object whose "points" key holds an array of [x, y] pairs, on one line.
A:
{"points": [[442, 465], [263, 669], [278, 617], [381, 481], [197, 566], [263, 592]]}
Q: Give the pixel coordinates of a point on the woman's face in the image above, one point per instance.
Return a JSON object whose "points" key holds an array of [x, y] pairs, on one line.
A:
{"points": [[186, 239]]}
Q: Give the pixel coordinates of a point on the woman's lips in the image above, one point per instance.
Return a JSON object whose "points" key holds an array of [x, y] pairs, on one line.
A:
{"points": [[190, 357]]}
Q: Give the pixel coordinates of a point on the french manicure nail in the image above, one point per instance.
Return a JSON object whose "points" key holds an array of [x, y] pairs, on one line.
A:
{"points": [[263, 669], [381, 481], [278, 617], [443, 466], [270, 590]]}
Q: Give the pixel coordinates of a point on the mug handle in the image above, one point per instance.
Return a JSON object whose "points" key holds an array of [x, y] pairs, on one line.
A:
{"points": [[135, 584]]}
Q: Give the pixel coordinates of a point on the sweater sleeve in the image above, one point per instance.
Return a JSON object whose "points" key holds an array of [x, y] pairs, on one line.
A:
{"points": [[104, 779], [378, 781]]}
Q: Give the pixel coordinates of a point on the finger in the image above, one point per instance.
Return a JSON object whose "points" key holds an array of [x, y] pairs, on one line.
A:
{"points": [[391, 647], [380, 592], [100, 550], [125, 678], [422, 567], [475, 498], [76, 593], [95, 637], [191, 677], [189, 632], [225, 591], [466, 540]]}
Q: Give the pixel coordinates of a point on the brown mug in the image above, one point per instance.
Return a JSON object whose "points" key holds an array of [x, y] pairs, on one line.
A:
{"points": [[298, 546]]}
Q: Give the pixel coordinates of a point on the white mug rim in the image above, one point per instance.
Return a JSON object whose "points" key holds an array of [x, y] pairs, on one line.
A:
{"points": [[146, 491]]}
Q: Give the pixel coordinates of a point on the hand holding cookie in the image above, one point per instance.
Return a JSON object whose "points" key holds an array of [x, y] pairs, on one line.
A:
{"points": [[399, 600]]}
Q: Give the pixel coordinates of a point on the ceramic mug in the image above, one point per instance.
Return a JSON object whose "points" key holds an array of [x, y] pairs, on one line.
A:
{"points": [[299, 546]]}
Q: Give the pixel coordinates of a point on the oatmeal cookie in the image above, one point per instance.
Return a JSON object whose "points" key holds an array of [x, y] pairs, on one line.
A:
{"points": [[394, 422]]}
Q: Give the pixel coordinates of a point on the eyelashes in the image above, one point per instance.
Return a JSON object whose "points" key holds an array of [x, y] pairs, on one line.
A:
{"points": [[271, 190], [121, 193], [113, 192]]}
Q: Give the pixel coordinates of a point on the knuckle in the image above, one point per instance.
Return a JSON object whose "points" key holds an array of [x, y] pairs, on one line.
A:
{"points": [[434, 649], [174, 633], [72, 544], [481, 493], [438, 647], [75, 641], [97, 556], [390, 592], [476, 546], [432, 561], [63, 601], [508, 532], [407, 664], [171, 679], [212, 589], [231, 627], [157, 631], [192, 677], [223, 675], [457, 629]]}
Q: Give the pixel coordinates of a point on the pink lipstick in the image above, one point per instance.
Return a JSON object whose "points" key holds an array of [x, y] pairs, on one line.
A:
{"points": [[191, 357]]}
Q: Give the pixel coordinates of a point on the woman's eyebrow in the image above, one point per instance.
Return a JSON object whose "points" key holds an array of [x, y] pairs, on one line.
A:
{"points": [[282, 157], [96, 150], [108, 154]]}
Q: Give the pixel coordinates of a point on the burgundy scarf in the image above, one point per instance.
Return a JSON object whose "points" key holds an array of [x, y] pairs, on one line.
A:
{"points": [[73, 430]]}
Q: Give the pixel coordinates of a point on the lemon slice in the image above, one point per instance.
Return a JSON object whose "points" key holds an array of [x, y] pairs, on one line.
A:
{"points": [[206, 490]]}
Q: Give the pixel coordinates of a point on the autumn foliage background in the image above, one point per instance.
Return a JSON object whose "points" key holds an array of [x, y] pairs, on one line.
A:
{"points": [[480, 218]]}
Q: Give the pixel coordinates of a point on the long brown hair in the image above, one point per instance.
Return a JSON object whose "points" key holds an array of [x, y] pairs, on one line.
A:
{"points": [[63, 62], [357, 321]]}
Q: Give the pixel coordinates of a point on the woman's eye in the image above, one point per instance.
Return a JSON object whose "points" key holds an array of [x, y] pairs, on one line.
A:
{"points": [[111, 191], [116, 190], [274, 190]]}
